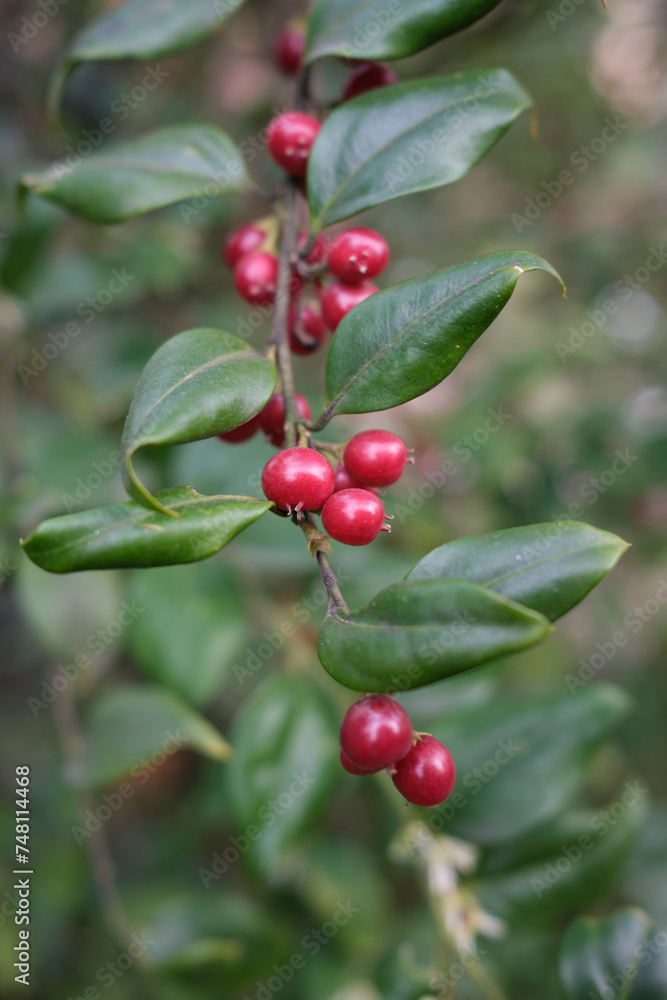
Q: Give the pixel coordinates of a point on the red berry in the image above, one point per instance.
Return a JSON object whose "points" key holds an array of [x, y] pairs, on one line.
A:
{"points": [[426, 775], [289, 139], [241, 242], [289, 48], [344, 481], [243, 432], [273, 417], [376, 731], [358, 254], [298, 479], [367, 76], [353, 517], [255, 278], [353, 769], [306, 330], [375, 458], [338, 299], [320, 251]]}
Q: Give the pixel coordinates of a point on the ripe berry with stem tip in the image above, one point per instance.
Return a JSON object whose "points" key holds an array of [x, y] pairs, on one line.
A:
{"points": [[307, 331], [375, 458], [289, 48], [272, 417], [298, 479], [367, 76], [358, 254], [256, 277], [289, 139], [426, 775], [375, 732], [339, 299], [241, 242], [243, 432], [354, 517], [353, 769]]}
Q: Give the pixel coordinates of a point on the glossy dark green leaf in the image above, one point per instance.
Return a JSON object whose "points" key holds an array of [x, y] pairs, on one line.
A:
{"points": [[285, 763], [506, 749], [127, 725], [408, 137], [420, 631], [401, 342], [126, 535], [198, 384], [548, 567], [597, 956], [142, 30], [131, 178], [192, 628], [386, 29]]}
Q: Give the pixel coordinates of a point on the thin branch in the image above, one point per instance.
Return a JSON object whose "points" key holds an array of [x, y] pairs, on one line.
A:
{"points": [[329, 580]]}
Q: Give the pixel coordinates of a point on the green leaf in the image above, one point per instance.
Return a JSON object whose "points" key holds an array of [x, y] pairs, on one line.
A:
{"points": [[548, 567], [601, 955], [285, 762], [129, 179], [127, 535], [129, 724], [420, 631], [408, 137], [198, 384], [386, 29], [142, 30], [401, 342], [192, 627]]}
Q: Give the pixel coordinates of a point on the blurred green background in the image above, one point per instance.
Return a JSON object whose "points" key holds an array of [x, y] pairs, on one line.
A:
{"points": [[561, 403]]}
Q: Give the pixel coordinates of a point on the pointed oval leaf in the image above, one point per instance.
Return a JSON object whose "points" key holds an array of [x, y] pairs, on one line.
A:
{"points": [[548, 567], [420, 631], [198, 384], [285, 742], [399, 343], [386, 29], [143, 30], [127, 535], [130, 722], [597, 956], [408, 137], [129, 179]]}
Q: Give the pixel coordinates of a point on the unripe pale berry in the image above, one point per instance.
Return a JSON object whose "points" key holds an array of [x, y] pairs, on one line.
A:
{"points": [[353, 517], [241, 242], [289, 140], [307, 331], [426, 775], [338, 299], [243, 432], [376, 731], [358, 254], [256, 277], [272, 417], [367, 76], [298, 479], [289, 48], [375, 458]]}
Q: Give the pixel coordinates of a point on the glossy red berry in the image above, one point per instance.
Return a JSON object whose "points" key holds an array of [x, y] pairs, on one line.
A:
{"points": [[338, 299], [344, 481], [353, 517], [376, 731], [255, 278], [289, 139], [289, 48], [298, 479], [307, 331], [241, 242], [353, 769], [358, 254], [375, 458], [272, 417], [243, 432], [367, 76], [426, 775], [320, 252]]}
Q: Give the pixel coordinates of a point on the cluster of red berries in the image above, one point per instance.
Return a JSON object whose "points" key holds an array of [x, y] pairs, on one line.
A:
{"points": [[376, 733]]}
